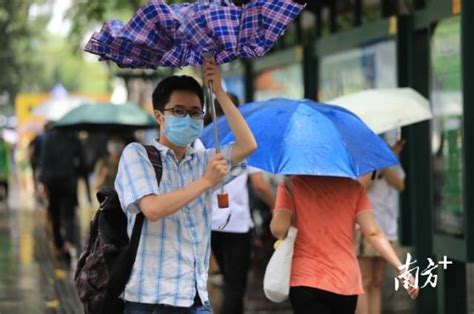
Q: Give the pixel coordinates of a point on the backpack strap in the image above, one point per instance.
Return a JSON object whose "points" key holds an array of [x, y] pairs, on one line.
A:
{"points": [[155, 159]]}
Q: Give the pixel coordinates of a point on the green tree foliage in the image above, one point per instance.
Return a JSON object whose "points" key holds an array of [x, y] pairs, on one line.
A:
{"points": [[18, 42], [34, 60]]}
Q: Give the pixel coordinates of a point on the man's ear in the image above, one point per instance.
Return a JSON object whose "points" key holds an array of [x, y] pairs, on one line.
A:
{"points": [[158, 117]]}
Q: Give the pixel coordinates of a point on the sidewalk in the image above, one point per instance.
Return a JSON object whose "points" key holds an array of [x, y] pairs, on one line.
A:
{"points": [[31, 281]]}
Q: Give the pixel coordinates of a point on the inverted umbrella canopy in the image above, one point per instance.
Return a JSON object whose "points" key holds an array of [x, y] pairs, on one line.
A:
{"points": [[139, 43], [263, 22], [302, 137], [107, 117], [386, 109], [205, 28], [182, 34]]}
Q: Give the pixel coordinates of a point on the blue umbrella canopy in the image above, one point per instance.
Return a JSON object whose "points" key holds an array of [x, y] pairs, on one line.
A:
{"points": [[302, 137]]}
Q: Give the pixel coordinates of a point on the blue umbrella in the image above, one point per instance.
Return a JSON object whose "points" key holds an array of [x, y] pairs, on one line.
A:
{"points": [[302, 137]]}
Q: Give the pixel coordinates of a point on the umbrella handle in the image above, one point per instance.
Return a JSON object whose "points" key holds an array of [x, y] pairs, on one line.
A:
{"points": [[223, 200], [222, 197]]}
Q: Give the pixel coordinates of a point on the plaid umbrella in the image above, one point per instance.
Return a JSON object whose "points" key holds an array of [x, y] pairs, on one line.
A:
{"points": [[206, 28], [263, 22], [141, 42], [182, 34]]}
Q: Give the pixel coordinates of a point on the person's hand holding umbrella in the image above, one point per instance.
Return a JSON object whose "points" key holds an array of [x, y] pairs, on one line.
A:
{"points": [[398, 147], [212, 74]]}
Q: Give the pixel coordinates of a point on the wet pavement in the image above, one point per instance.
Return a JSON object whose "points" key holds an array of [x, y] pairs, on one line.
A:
{"points": [[31, 280]]}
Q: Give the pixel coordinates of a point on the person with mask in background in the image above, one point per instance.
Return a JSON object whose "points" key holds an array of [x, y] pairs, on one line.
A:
{"points": [[106, 168], [171, 267]]}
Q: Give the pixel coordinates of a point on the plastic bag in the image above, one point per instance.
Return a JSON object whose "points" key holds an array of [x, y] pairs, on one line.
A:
{"points": [[276, 282]]}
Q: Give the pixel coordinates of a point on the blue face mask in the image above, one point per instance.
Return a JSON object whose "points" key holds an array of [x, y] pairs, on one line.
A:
{"points": [[182, 131]]}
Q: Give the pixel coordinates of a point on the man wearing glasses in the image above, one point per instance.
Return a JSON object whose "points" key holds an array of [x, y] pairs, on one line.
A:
{"points": [[170, 270]]}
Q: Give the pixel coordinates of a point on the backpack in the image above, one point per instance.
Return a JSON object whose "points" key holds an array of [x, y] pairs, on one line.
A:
{"points": [[105, 264]]}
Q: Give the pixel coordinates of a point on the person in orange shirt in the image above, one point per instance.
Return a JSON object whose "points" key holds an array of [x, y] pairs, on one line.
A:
{"points": [[325, 276]]}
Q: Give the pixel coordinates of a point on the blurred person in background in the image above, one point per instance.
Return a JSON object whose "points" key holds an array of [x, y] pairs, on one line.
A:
{"points": [[34, 152], [60, 167], [383, 193], [107, 167], [4, 169]]}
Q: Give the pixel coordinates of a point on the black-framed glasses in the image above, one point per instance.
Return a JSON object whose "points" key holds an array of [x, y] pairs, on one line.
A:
{"points": [[182, 112]]}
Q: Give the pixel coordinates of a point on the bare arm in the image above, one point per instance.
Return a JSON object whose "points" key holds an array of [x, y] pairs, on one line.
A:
{"points": [[155, 207], [394, 179], [379, 242], [377, 239], [245, 143], [262, 189], [280, 224]]}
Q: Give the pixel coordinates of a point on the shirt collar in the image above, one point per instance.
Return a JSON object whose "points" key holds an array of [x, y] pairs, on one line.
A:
{"points": [[190, 151]]}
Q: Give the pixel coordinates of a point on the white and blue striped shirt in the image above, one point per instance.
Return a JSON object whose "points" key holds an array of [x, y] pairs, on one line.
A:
{"points": [[173, 255]]}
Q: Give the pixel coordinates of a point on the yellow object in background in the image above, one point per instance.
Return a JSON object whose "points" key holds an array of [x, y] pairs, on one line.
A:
{"points": [[456, 6], [53, 304], [392, 25]]}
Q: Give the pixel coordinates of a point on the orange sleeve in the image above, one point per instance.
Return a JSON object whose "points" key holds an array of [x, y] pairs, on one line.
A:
{"points": [[284, 201], [363, 203]]}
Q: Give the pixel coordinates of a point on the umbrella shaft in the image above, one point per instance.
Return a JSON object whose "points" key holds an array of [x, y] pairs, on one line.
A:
{"points": [[214, 118], [214, 126]]}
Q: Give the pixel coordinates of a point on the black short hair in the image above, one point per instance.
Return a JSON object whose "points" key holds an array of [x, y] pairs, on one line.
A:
{"points": [[164, 89]]}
